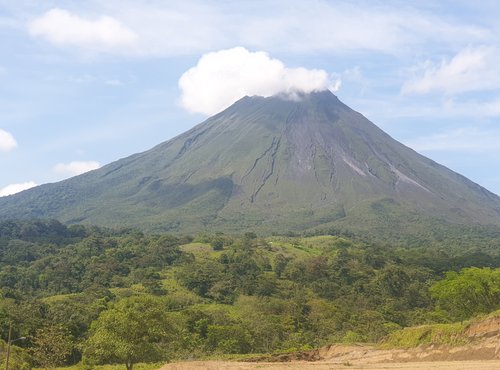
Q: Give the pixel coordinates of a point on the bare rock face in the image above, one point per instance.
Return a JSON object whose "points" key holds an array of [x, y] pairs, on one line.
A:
{"points": [[271, 165], [489, 327]]}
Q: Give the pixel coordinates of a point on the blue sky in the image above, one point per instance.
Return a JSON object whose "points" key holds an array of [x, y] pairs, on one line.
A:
{"points": [[83, 83]]}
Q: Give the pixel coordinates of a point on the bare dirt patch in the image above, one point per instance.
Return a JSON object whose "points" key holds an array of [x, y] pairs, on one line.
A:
{"points": [[482, 353], [328, 365]]}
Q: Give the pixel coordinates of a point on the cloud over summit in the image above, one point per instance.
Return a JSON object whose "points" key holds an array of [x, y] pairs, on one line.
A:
{"points": [[220, 78]]}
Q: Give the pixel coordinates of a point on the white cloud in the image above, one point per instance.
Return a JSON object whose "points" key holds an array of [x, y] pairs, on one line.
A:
{"points": [[16, 188], [220, 78], [472, 69], [312, 26], [7, 141], [464, 140], [321, 26], [62, 28], [166, 28], [76, 167]]}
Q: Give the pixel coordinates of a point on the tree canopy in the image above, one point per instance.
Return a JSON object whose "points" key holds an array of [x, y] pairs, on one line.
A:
{"points": [[468, 292], [122, 296], [135, 329]]}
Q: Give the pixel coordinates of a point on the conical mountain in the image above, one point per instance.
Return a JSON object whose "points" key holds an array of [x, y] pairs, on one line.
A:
{"points": [[269, 165]]}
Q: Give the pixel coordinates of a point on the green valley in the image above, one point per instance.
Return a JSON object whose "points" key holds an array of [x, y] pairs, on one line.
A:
{"points": [[122, 296]]}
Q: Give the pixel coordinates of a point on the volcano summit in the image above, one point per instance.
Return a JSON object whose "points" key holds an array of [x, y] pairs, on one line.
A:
{"points": [[270, 165]]}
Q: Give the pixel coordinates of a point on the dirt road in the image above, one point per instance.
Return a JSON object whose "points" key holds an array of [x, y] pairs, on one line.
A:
{"points": [[327, 365], [482, 353]]}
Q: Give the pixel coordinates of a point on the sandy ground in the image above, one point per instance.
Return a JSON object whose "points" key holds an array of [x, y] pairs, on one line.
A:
{"points": [[327, 365], [483, 353]]}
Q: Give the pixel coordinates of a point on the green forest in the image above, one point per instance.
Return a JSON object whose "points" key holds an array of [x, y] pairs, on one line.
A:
{"points": [[89, 296]]}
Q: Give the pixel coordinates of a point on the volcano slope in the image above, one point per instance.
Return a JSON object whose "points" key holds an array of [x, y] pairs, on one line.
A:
{"points": [[272, 165]]}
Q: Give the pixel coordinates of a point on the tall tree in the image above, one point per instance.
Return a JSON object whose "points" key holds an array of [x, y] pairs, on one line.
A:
{"points": [[136, 329], [52, 346]]}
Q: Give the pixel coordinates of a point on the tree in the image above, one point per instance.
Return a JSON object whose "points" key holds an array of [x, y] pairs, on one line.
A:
{"points": [[394, 281], [280, 262], [200, 277], [52, 346], [471, 291], [217, 244], [229, 339], [135, 330]]}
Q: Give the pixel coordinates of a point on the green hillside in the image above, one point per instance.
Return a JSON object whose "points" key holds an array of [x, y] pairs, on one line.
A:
{"points": [[274, 165], [100, 295]]}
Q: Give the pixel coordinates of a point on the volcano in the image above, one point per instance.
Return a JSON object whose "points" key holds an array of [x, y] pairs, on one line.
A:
{"points": [[270, 165]]}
